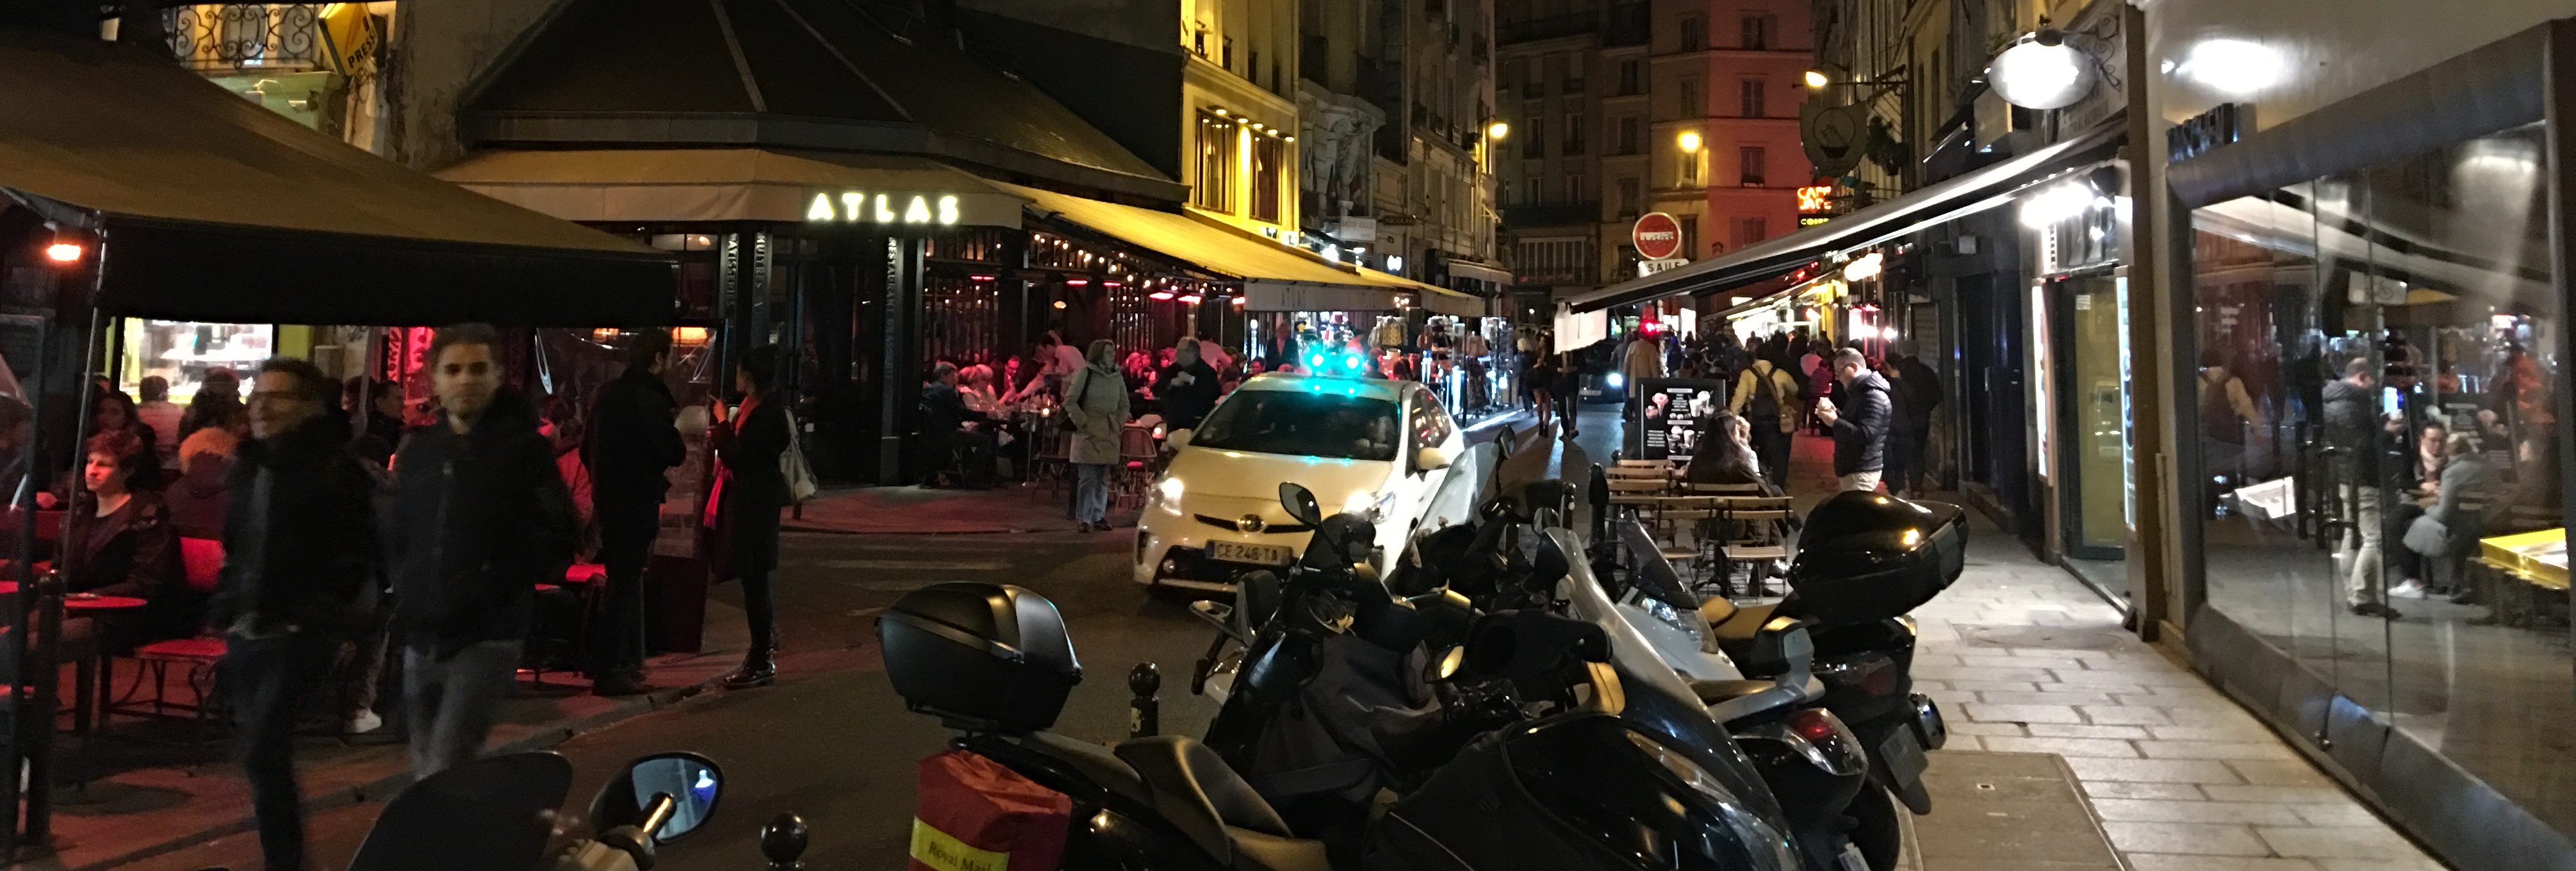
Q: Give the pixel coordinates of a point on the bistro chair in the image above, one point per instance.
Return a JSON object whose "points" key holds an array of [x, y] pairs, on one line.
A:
{"points": [[1050, 468], [1139, 457], [203, 561]]}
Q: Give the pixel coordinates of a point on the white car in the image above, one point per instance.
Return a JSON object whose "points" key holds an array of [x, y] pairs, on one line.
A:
{"points": [[1379, 448]]}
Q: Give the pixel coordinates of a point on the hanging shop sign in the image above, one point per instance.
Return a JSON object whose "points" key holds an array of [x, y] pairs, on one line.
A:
{"points": [[862, 207], [1657, 236], [1650, 267]]}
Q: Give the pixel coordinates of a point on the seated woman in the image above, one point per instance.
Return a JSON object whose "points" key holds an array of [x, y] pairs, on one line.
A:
{"points": [[122, 544], [1725, 455]]}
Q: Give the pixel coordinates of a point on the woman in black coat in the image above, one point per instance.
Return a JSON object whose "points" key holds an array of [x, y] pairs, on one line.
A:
{"points": [[754, 491]]}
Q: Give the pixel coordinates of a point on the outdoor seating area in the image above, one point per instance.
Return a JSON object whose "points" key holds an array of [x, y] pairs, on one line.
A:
{"points": [[1724, 539]]}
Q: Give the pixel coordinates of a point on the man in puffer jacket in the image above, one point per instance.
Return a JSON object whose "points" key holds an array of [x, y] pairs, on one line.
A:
{"points": [[480, 516], [1860, 433]]}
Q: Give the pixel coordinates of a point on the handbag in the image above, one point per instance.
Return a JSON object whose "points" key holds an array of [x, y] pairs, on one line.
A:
{"points": [[2428, 536], [792, 465]]}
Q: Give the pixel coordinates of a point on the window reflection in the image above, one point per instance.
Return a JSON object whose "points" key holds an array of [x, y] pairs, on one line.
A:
{"points": [[2377, 417]]}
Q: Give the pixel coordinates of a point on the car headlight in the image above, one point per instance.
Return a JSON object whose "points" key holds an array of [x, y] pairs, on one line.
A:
{"points": [[1167, 494], [1759, 836], [1370, 504]]}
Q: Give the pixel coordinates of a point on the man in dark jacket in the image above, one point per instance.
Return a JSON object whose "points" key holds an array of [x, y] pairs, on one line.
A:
{"points": [[2352, 423], [1922, 394], [299, 569], [480, 517], [946, 418], [1187, 388], [634, 440], [1860, 434]]}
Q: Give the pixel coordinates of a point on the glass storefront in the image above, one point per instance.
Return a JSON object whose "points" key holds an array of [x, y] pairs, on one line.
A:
{"points": [[2376, 419], [182, 351]]}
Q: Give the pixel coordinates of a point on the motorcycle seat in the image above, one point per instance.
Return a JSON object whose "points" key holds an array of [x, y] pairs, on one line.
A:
{"points": [[1198, 793], [1094, 762], [1734, 622], [1713, 692]]}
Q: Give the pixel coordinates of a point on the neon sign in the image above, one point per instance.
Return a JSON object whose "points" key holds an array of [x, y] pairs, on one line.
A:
{"points": [[858, 207], [1815, 198]]}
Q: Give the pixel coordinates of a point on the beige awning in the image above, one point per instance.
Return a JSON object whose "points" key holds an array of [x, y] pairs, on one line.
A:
{"points": [[728, 184]]}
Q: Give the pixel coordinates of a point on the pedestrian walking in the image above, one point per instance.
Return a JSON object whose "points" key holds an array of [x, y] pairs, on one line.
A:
{"points": [[300, 564], [1767, 399], [480, 517], [753, 491], [1569, 393], [1540, 383], [1096, 404], [1922, 394], [1643, 359], [1860, 434], [632, 442]]}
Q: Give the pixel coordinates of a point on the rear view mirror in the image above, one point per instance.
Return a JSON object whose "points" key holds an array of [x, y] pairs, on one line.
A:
{"points": [[691, 784], [1301, 503]]}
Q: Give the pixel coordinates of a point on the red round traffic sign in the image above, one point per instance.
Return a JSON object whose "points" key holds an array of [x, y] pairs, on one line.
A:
{"points": [[1657, 236]]}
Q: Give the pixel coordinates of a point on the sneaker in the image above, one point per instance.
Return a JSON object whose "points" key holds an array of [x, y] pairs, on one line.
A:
{"points": [[364, 721], [2374, 609], [2411, 589]]}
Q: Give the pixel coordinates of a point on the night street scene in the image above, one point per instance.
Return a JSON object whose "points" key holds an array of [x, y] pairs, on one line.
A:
{"points": [[1287, 435]]}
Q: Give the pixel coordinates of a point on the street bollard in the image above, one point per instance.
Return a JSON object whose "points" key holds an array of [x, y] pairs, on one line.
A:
{"points": [[782, 842], [1599, 491], [1144, 714]]}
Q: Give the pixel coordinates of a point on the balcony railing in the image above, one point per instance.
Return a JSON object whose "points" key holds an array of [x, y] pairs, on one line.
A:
{"points": [[1552, 214], [1551, 27], [1630, 24]]}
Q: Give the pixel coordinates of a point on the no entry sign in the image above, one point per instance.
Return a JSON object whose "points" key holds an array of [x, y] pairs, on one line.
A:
{"points": [[1657, 236]]}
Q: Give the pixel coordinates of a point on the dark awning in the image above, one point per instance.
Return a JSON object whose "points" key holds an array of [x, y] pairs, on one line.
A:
{"points": [[212, 208], [1947, 200]]}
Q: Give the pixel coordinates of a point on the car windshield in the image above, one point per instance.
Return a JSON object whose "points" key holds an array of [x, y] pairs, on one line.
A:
{"points": [[1302, 423]]}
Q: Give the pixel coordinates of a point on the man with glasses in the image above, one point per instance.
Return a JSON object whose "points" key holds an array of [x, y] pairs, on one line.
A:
{"points": [[299, 570]]}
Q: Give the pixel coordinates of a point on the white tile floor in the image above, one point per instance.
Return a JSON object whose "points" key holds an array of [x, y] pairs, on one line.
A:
{"points": [[2182, 777]]}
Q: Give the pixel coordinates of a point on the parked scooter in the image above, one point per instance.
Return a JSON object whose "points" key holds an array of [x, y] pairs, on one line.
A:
{"points": [[498, 812], [1599, 781]]}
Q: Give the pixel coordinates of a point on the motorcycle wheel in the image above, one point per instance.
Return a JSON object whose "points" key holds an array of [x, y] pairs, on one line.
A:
{"points": [[1875, 827]]}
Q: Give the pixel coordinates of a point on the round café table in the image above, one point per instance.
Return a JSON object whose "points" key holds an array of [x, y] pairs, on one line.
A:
{"points": [[77, 602]]}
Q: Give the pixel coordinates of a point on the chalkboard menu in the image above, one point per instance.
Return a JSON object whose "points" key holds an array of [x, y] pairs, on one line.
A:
{"points": [[1671, 410]]}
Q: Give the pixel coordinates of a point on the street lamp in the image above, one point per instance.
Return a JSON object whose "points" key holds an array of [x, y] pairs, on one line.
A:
{"points": [[1689, 141], [1498, 129], [2042, 71], [1817, 80]]}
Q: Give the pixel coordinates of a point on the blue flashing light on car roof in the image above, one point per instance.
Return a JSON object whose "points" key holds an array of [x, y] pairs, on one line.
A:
{"points": [[1315, 361], [1351, 362]]}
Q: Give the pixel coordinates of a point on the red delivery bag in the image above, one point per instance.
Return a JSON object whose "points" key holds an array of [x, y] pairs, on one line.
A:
{"points": [[976, 815]]}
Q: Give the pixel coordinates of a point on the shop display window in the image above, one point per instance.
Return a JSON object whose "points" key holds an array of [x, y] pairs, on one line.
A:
{"points": [[182, 351]]}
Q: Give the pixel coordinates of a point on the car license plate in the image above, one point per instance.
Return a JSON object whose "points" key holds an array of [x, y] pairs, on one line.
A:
{"points": [[1904, 757], [1256, 554]]}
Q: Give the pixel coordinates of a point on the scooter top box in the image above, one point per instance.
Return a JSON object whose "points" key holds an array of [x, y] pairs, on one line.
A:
{"points": [[1871, 556], [983, 657]]}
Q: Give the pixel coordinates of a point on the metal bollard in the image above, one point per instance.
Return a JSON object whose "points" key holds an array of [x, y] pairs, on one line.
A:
{"points": [[1144, 713], [782, 842], [1599, 491]]}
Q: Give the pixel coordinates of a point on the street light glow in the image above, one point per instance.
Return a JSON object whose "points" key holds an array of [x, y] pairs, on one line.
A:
{"points": [[1689, 141], [1497, 130], [1816, 79], [63, 252]]}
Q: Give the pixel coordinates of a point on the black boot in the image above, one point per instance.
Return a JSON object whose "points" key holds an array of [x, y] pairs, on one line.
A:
{"points": [[759, 669]]}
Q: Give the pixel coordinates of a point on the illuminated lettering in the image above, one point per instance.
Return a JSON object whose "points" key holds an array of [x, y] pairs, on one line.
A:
{"points": [[948, 209], [885, 210], [821, 210], [852, 204], [860, 207], [917, 212]]}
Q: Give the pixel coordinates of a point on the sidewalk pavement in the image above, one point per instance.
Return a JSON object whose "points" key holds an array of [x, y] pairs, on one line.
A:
{"points": [[2024, 658], [150, 787]]}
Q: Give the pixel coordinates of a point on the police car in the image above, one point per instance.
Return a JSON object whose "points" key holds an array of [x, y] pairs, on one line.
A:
{"points": [[1378, 448]]}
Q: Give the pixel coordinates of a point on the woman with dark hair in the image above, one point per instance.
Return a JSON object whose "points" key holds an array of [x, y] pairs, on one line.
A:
{"points": [[218, 399], [749, 497], [115, 412], [122, 544], [1726, 454]]}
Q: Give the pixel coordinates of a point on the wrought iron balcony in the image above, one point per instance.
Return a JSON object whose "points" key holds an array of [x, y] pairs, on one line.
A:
{"points": [[1551, 27]]}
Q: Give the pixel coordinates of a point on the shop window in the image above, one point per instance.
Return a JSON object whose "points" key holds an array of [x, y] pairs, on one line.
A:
{"points": [[1269, 166], [2375, 421], [1212, 187], [183, 351]]}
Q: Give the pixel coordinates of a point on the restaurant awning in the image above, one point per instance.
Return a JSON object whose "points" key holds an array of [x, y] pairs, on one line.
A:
{"points": [[1480, 270], [1275, 277], [212, 208], [718, 184], [1947, 200]]}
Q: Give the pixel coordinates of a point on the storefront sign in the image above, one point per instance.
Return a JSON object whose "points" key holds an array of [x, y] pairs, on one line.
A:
{"points": [[2222, 124], [859, 207], [1673, 409], [1650, 267], [1657, 236]]}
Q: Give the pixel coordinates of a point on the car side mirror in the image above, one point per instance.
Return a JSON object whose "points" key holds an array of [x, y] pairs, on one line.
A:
{"points": [[1301, 503], [1432, 457], [1177, 439]]}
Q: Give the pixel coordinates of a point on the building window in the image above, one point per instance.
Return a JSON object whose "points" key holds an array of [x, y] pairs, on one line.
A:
{"points": [[1760, 31], [1627, 197], [1748, 95], [1691, 106], [1694, 33], [1574, 75], [1749, 231], [1690, 167], [1573, 134], [1690, 237], [1269, 173], [1534, 82], [1530, 190], [1629, 134], [1749, 166], [1573, 187], [1632, 77], [1212, 187], [1537, 136]]}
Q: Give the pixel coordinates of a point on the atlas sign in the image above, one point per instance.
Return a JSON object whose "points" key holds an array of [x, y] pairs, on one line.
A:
{"points": [[856, 207], [1657, 236]]}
